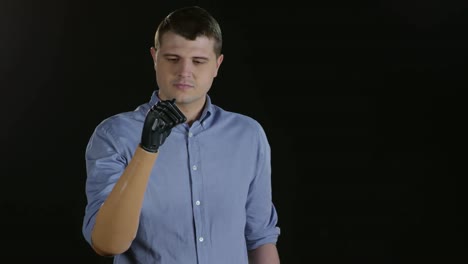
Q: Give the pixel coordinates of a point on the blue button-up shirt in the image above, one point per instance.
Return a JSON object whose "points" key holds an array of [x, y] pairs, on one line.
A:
{"points": [[208, 199]]}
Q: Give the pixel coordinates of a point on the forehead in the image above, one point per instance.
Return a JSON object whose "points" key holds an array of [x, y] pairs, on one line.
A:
{"points": [[174, 43]]}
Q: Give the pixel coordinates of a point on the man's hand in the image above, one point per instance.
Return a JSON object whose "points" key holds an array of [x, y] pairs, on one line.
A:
{"points": [[160, 120]]}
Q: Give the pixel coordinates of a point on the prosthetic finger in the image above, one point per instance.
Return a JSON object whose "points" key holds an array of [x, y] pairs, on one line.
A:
{"points": [[174, 120], [176, 113], [166, 121]]}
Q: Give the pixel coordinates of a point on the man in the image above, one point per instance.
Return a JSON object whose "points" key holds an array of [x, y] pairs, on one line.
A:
{"points": [[180, 180]]}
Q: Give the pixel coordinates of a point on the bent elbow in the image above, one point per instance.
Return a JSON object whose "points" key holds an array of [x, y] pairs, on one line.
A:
{"points": [[109, 248]]}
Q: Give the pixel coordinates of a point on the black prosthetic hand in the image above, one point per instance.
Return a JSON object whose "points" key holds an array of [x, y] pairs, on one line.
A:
{"points": [[160, 120]]}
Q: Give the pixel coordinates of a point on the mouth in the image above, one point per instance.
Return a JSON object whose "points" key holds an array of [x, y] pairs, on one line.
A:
{"points": [[183, 86]]}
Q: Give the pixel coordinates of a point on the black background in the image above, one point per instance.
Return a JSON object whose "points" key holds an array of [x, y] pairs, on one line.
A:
{"points": [[361, 102]]}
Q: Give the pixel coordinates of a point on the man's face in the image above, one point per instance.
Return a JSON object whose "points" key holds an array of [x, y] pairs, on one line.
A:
{"points": [[185, 69]]}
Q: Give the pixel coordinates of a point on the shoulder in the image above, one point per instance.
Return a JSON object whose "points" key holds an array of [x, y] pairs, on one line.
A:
{"points": [[242, 129], [237, 120], [124, 122]]}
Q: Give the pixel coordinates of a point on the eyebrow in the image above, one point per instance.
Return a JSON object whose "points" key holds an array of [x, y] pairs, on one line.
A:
{"points": [[175, 55]]}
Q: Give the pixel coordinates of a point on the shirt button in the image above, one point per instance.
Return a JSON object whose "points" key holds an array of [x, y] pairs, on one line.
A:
{"points": [[194, 167], [197, 202], [190, 134], [200, 239]]}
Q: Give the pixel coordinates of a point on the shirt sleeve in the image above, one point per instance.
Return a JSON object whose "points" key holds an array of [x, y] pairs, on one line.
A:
{"points": [[261, 227], [104, 166]]}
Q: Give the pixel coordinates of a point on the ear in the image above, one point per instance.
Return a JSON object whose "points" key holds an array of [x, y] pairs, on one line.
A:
{"points": [[219, 60], [153, 55]]}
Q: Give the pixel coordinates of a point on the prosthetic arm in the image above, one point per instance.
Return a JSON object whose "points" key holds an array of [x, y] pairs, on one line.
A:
{"points": [[117, 219]]}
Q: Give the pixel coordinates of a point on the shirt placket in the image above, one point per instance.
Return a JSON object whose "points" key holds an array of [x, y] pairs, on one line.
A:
{"points": [[196, 185]]}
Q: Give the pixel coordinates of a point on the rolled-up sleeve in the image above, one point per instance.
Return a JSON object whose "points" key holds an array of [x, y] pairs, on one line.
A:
{"points": [[261, 227], [104, 166]]}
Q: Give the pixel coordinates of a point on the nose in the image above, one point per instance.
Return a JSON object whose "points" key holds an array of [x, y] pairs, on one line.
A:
{"points": [[185, 68]]}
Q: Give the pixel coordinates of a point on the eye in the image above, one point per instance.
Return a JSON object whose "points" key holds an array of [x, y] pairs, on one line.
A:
{"points": [[172, 59], [198, 61]]}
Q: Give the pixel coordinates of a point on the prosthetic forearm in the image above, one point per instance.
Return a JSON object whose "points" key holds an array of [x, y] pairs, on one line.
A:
{"points": [[118, 218]]}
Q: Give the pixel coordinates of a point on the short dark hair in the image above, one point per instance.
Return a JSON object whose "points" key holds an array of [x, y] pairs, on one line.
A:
{"points": [[190, 23]]}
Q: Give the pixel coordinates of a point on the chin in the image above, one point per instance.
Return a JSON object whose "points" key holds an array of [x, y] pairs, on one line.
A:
{"points": [[170, 96], [182, 100]]}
